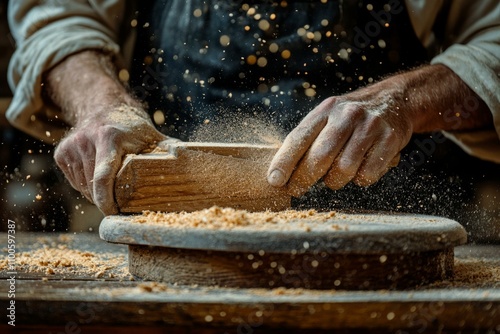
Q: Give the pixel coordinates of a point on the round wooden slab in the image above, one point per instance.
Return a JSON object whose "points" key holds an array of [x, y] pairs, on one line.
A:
{"points": [[349, 251]]}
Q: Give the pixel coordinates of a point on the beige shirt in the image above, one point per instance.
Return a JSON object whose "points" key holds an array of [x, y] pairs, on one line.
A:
{"points": [[47, 33]]}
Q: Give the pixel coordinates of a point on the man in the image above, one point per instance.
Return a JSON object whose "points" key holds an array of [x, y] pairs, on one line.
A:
{"points": [[279, 59]]}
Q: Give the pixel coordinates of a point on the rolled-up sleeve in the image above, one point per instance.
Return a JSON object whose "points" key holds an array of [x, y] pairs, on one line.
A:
{"points": [[46, 32], [471, 48]]}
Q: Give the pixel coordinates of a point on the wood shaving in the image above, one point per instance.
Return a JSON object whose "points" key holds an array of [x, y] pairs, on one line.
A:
{"points": [[153, 287], [227, 218], [63, 261], [472, 273]]}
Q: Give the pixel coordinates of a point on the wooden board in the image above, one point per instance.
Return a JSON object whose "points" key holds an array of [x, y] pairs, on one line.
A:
{"points": [[193, 176], [188, 310], [74, 305], [357, 252]]}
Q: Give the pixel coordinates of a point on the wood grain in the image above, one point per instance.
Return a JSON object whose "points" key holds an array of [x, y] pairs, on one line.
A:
{"points": [[344, 271], [185, 310], [194, 176]]}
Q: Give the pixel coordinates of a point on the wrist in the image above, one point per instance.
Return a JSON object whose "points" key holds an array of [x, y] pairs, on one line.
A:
{"points": [[435, 98], [85, 85], [115, 114]]}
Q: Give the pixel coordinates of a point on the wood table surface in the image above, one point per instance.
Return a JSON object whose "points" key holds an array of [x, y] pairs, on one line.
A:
{"points": [[73, 302]]}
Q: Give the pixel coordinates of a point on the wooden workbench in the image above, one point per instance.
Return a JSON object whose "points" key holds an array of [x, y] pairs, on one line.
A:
{"points": [[70, 302]]}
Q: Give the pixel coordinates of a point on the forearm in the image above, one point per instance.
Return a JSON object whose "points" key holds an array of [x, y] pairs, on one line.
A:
{"points": [[437, 99], [85, 84]]}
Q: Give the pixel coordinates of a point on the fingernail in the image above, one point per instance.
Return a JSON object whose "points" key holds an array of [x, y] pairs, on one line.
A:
{"points": [[276, 178]]}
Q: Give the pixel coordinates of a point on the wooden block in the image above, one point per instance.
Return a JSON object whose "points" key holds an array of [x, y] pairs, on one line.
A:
{"points": [[194, 176]]}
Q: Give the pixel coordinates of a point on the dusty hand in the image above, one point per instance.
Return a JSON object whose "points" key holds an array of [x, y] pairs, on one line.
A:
{"points": [[91, 155], [356, 137]]}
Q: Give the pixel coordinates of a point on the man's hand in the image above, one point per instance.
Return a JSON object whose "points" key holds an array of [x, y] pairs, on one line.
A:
{"points": [[107, 124], [92, 153], [357, 137], [351, 138]]}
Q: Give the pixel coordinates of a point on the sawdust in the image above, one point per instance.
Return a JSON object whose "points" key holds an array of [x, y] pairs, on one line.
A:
{"points": [[234, 127], [227, 218], [153, 287], [472, 273], [241, 177], [226, 176], [233, 179], [250, 175], [128, 115], [55, 258], [63, 261], [288, 291]]}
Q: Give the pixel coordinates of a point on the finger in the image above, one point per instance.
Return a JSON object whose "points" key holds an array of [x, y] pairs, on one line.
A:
{"points": [[76, 177], [108, 162], [296, 145], [376, 164], [67, 160], [86, 165], [395, 161], [290, 153], [335, 179], [320, 156], [347, 164], [111, 146]]}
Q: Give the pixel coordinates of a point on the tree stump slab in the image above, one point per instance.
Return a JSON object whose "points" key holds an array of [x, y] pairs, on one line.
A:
{"points": [[348, 252]]}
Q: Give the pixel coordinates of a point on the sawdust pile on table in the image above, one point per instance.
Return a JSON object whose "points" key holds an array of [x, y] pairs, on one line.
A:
{"points": [[472, 273], [227, 218], [56, 259]]}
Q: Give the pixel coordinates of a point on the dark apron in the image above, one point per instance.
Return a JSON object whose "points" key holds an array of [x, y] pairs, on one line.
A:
{"points": [[185, 67]]}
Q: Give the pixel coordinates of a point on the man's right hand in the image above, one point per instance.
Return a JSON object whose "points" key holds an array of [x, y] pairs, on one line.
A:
{"points": [[92, 153]]}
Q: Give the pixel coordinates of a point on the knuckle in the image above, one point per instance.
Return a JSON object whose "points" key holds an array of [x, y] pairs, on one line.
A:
{"points": [[329, 102], [343, 170], [346, 167], [391, 137], [353, 110], [59, 156], [108, 132], [374, 126], [79, 139]]}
